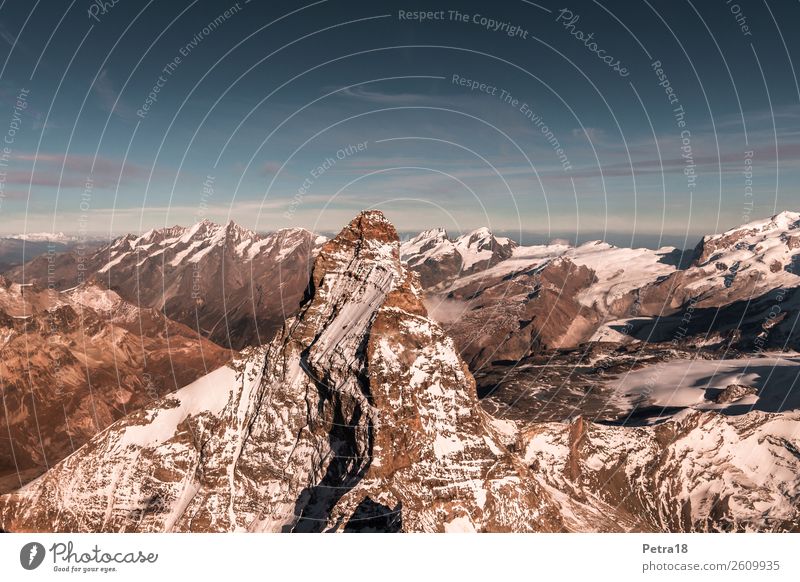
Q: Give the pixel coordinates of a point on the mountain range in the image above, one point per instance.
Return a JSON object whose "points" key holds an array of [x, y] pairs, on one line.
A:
{"points": [[438, 384], [232, 285]]}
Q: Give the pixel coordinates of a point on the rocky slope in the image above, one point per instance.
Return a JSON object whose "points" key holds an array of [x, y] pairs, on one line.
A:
{"points": [[701, 471], [73, 362], [359, 415], [230, 284]]}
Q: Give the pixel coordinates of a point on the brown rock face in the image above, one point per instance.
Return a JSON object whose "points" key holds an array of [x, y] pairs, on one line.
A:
{"points": [[436, 465], [707, 247], [734, 392]]}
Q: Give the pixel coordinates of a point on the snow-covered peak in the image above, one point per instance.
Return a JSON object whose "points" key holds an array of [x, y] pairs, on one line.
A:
{"points": [[785, 220], [432, 240], [478, 237], [594, 245], [238, 232], [437, 233], [375, 219], [369, 234], [482, 239], [284, 241], [295, 233], [770, 241], [204, 230], [779, 223], [481, 248], [618, 270], [152, 236], [432, 234], [180, 243], [788, 218]]}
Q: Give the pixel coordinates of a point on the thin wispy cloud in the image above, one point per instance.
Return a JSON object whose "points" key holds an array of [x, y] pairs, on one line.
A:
{"points": [[386, 98], [109, 97], [72, 171], [9, 38]]}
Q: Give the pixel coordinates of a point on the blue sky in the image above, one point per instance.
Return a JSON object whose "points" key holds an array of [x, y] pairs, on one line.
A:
{"points": [[268, 106]]}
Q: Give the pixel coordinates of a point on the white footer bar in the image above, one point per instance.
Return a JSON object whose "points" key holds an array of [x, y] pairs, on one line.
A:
{"points": [[485, 557]]}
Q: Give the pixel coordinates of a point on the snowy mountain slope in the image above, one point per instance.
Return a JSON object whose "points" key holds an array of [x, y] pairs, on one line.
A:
{"points": [[770, 385], [435, 258], [741, 264], [619, 271], [701, 471], [740, 291], [483, 260], [527, 299]]}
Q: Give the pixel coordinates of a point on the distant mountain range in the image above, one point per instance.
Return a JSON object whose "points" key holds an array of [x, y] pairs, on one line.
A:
{"points": [[232, 285]]}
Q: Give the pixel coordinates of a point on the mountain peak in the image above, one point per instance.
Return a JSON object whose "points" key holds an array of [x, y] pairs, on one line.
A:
{"points": [[373, 225], [369, 235], [481, 232], [430, 234], [426, 240], [786, 220], [369, 239], [762, 234]]}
